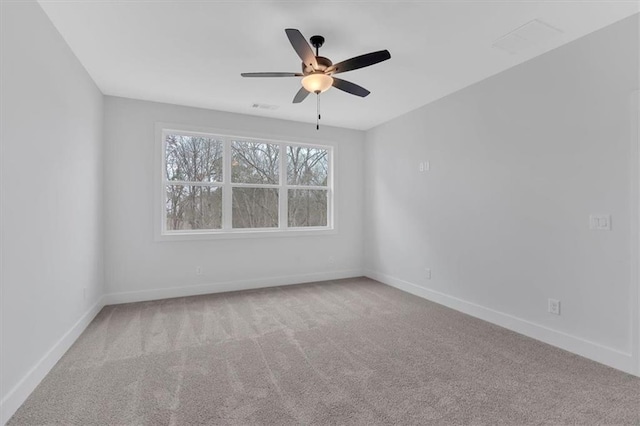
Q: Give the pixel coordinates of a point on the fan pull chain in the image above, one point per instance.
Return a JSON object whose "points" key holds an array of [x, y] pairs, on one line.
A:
{"points": [[318, 110]]}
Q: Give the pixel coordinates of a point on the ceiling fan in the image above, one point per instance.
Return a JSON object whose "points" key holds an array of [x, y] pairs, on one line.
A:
{"points": [[318, 72]]}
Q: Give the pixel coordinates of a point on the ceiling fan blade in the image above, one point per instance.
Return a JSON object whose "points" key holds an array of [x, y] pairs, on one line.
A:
{"points": [[271, 74], [300, 96], [360, 61], [301, 47], [349, 87]]}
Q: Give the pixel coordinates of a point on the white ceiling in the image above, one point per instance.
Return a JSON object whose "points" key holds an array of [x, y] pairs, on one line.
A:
{"points": [[192, 52]]}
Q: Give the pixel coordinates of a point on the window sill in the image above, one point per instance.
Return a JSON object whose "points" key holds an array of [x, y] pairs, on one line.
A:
{"points": [[241, 233]]}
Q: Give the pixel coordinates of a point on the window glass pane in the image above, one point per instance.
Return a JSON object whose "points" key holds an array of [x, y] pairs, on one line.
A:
{"points": [[307, 207], [255, 162], [193, 159], [193, 207], [307, 166], [255, 207]]}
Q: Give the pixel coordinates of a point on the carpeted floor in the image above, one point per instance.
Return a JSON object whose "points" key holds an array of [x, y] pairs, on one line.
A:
{"points": [[338, 352]]}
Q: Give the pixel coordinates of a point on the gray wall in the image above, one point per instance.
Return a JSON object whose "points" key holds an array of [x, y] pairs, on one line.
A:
{"points": [[139, 267], [51, 203], [518, 163]]}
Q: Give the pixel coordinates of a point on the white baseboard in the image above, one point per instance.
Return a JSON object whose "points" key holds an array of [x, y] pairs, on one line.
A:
{"points": [[20, 392], [609, 356], [220, 287]]}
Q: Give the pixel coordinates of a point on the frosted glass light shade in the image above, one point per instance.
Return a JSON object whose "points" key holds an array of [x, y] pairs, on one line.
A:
{"points": [[317, 82]]}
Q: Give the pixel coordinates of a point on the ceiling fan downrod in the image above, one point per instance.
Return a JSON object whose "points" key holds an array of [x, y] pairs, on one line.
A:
{"points": [[317, 41]]}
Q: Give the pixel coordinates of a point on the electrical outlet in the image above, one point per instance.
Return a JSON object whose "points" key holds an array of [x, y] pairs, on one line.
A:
{"points": [[427, 273], [332, 260], [423, 166], [198, 270], [554, 306], [84, 293]]}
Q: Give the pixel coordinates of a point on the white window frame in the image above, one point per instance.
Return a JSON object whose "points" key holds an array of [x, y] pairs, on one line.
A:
{"points": [[226, 232]]}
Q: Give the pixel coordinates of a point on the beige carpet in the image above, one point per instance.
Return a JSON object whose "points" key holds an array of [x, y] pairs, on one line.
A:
{"points": [[339, 352]]}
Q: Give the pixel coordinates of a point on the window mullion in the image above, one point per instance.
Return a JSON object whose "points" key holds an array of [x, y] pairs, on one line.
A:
{"points": [[163, 206], [255, 185], [319, 188], [283, 196], [227, 196], [330, 189]]}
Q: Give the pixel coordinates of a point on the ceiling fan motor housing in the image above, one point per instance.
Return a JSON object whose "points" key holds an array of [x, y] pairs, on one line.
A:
{"points": [[323, 64]]}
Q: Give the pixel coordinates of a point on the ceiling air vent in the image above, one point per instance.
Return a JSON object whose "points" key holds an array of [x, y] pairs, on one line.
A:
{"points": [[264, 106], [528, 35]]}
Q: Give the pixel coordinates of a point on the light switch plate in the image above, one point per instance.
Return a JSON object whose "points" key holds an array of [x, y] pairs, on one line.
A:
{"points": [[599, 222]]}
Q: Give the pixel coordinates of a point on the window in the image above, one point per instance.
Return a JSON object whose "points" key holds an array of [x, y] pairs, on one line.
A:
{"points": [[215, 184], [307, 177]]}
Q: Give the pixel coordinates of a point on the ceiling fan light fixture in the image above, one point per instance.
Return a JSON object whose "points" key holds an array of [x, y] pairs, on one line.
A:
{"points": [[317, 70], [317, 82]]}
